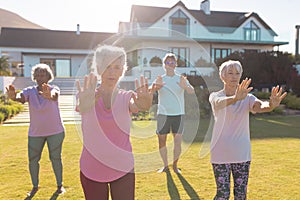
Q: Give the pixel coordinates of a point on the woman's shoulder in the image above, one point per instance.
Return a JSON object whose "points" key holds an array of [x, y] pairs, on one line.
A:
{"points": [[217, 93], [29, 89], [123, 92]]}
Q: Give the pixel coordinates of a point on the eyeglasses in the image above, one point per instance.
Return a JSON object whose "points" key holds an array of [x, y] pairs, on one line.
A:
{"points": [[170, 63]]}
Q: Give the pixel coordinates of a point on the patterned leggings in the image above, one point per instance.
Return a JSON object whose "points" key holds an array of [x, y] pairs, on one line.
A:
{"points": [[240, 173]]}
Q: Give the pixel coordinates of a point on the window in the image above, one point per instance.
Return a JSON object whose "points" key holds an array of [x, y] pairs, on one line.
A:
{"points": [[251, 32], [147, 74], [59, 67], [182, 56], [179, 22], [219, 53]]}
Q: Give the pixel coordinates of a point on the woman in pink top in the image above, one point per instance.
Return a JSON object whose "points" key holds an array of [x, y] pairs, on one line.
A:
{"points": [[107, 162], [43, 107], [230, 144]]}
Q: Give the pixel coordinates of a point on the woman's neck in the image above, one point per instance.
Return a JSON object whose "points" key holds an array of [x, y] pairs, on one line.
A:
{"points": [[170, 73], [229, 90], [106, 89]]}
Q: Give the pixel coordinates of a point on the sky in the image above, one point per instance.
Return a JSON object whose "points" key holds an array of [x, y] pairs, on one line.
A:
{"points": [[105, 15]]}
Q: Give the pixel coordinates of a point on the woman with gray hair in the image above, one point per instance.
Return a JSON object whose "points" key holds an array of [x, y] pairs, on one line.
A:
{"points": [[230, 145], [107, 161], [43, 107]]}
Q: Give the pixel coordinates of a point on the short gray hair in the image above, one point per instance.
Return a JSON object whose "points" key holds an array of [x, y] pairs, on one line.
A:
{"points": [[41, 67], [230, 63], [106, 55]]}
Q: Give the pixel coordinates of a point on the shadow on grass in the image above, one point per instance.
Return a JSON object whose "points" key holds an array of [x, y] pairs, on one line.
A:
{"points": [[262, 126], [53, 197], [188, 188], [173, 191]]}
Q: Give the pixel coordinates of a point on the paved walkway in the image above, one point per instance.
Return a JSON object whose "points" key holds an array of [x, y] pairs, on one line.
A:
{"points": [[66, 105]]}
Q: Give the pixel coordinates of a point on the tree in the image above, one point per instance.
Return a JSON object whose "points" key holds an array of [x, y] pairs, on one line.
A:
{"points": [[155, 61], [201, 62], [266, 69], [4, 66]]}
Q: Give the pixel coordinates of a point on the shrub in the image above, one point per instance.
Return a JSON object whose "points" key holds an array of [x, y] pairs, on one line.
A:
{"points": [[155, 61], [1, 118], [9, 108]]}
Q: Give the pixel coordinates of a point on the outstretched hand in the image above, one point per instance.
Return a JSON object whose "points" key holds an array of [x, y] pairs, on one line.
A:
{"points": [[158, 83], [86, 94], [46, 92], [11, 92], [243, 89], [276, 96], [144, 95], [183, 82]]}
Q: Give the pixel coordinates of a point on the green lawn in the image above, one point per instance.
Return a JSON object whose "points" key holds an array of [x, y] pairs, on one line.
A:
{"points": [[274, 173]]}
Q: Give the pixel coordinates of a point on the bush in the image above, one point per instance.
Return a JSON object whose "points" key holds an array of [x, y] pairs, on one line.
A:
{"points": [[6, 110], [1, 118], [291, 100], [9, 108], [262, 95], [155, 61]]}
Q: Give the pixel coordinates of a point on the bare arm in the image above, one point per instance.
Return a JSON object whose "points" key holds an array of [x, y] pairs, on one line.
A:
{"points": [[11, 93], [241, 92], [275, 99]]}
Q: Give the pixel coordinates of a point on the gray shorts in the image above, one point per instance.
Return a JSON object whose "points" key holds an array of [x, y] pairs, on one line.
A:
{"points": [[166, 124]]}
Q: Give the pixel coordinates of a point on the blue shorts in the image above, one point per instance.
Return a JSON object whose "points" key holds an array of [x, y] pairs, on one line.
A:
{"points": [[166, 123]]}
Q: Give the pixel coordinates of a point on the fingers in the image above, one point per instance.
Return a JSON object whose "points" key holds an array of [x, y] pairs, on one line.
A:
{"points": [[143, 85], [85, 82], [136, 84], [146, 84], [10, 88], [245, 83], [78, 86], [89, 82], [93, 81], [142, 80], [283, 95], [249, 89]]}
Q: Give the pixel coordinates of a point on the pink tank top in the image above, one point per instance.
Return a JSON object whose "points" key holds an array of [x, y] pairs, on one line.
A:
{"points": [[107, 152]]}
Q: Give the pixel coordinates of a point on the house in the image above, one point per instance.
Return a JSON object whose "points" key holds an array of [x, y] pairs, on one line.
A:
{"points": [[198, 37]]}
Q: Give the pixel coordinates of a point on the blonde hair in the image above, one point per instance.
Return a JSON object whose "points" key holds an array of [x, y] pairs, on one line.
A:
{"points": [[41, 67], [230, 63], [106, 55]]}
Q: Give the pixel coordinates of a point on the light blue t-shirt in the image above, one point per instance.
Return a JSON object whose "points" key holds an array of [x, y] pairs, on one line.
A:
{"points": [[171, 96]]}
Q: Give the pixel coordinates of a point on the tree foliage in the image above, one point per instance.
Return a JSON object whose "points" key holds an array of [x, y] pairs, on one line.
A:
{"points": [[267, 69], [4, 66], [155, 61], [201, 62]]}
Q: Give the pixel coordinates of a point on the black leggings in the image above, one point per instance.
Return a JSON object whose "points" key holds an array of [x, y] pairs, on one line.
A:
{"points": [[120, 189]]}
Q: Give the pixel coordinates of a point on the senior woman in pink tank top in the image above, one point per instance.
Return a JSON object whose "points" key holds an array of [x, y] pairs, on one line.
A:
{"points": [[107, 163]]}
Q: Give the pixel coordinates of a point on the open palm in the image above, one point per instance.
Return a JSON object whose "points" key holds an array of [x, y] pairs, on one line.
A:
{"points": [[276, 96], [86, 94]]}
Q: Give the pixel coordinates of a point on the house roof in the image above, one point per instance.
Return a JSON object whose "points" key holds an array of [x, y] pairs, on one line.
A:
{"points": [[37, 38], [213, 21]]}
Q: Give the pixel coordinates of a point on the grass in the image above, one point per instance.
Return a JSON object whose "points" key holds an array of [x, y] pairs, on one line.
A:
{"points": [[274, 173]]}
